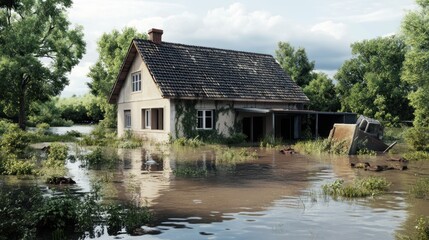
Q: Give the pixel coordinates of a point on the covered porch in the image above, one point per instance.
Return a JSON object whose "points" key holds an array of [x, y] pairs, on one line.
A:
{"points": [[289, 125]]}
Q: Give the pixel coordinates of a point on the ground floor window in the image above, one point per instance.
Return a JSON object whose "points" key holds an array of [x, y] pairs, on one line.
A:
{"points": [[205, 119], [127, 118], [153, 118]]}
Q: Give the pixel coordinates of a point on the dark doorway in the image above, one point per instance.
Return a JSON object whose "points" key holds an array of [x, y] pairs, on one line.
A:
{"points": [[247, 128], [286, 129], [258, 128]]}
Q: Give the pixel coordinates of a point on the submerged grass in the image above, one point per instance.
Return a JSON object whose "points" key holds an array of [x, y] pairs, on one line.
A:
{"points": [[189, 171], [321, 146], [420, 189], [417, 156], [364, 187]]}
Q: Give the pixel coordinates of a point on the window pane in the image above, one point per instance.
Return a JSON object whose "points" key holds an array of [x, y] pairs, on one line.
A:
{"points": [[200, 113], [140, 86], [208, 113], [200, 123], [208, 121]]}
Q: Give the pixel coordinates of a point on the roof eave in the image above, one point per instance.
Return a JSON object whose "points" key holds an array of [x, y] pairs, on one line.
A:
{"points": [[122, 75], [239, 99]]}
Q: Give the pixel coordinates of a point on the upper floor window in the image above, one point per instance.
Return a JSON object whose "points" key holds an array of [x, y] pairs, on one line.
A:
{"points": [[205, 119], [136, 81]]}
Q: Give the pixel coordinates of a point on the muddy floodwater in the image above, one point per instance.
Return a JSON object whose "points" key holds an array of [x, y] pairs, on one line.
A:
{"points": [[275, 196]]}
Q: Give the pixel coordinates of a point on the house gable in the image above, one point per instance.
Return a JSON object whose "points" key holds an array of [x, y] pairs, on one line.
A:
{"points": [[149, 90]]}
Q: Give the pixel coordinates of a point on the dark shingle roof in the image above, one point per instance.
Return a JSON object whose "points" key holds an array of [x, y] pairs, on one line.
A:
{"points": [[184, 71]]}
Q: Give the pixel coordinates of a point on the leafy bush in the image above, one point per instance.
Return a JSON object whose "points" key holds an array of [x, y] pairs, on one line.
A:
{"points": [[101, 157], [14, 140], [418, 138], [13, 166], [359, 188], [417, 155], [57, 155], [100, 136], [188, 142], [42, 128], [421, 188]]}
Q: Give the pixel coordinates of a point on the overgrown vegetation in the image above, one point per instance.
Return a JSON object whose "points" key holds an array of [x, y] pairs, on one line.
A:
{"points": [[421, 230], [322, 146], [363, 187], [28, 214], [101, 157], [420, 189], [189, 171], [418, 138]]}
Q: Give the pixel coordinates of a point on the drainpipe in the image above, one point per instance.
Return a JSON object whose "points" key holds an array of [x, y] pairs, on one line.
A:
{"points": [[317, 125]]}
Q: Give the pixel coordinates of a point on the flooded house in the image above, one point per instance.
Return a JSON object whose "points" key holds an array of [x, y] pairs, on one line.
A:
{"points": [[167, 89]]}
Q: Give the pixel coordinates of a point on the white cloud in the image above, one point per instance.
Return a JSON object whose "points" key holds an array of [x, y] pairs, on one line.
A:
{"points": [[336, 30], [248, 26]]}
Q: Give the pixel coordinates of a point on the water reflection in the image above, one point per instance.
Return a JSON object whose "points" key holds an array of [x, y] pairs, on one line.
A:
{"points": [[275, 196]]}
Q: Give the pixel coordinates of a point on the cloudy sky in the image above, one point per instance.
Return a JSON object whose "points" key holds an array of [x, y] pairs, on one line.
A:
{"points": [[325, 28]]}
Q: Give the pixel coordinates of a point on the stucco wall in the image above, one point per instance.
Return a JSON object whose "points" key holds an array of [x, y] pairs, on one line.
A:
{"points": [[227, 116], [148, 97]]}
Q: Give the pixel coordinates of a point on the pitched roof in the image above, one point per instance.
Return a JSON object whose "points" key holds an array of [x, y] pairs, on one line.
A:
{"points": [[193, 72]]}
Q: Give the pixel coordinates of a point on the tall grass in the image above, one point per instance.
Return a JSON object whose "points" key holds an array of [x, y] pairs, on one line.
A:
{"points": [[420, 189], [322, 146], [364, 187]]}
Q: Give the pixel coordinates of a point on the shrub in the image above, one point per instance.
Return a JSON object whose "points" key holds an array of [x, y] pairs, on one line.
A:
{"points": [[417, 155], [57, 155], [188, 142], [421, 188], [418, 138], [101, 157], [18, 167], [14, 140], [42, 128], [359, 188]]}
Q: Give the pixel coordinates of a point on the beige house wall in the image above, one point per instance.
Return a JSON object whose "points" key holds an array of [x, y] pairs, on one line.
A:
{"points": [[227, 116], [149, 97]]}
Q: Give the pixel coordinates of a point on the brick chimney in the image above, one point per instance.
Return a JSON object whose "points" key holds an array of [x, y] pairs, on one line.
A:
{"points": [[155, 35]]}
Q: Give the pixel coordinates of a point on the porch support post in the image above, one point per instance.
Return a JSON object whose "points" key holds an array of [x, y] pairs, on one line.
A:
{"points": [[274, 126]]}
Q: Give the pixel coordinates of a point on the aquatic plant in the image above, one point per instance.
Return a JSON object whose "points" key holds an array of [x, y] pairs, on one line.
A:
{"points": [[189, 171], [421, 230], [416, 155], [366, 151], [418, 138], [322, 146], [420, 189], [13, 166], [188, 142], [270, 142], [101, 157], [28, 214], [364, 187]]}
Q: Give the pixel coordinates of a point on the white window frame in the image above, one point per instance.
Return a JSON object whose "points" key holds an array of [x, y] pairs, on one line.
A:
{"points": [[136, 82], [127, 118], [147, 118], [204, 117]]}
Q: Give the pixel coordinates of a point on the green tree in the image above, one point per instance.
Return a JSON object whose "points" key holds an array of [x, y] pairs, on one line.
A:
{"points": [[322, 95], [112, 49], [295, 63], [38, 49], [415, 27], [370, 83]]}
